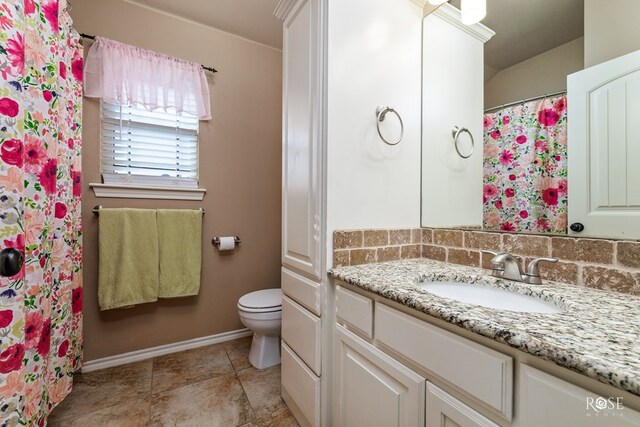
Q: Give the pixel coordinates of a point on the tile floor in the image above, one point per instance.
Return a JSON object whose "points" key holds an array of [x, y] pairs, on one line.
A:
{"points": [[207, 386]]}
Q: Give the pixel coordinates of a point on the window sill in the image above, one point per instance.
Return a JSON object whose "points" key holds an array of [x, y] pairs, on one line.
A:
{"points": [[141, 192]]}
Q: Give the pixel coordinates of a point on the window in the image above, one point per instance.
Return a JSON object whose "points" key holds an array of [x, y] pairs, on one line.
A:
{"points": [[143, 148]]}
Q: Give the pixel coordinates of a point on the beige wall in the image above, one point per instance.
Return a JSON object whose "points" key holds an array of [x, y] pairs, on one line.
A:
{"points": [[240, 167], [544, 73], [610, 29]]}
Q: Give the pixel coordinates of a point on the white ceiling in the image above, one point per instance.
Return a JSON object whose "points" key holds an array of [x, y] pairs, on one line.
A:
{"points": [[251, 19], [526, 28]]}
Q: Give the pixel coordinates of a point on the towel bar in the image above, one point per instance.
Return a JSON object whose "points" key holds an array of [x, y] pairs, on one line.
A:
{"points": [[96, 210]]}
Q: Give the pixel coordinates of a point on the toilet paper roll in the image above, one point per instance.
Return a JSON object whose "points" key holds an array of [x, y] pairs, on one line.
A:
{"points": [[227, 243]]}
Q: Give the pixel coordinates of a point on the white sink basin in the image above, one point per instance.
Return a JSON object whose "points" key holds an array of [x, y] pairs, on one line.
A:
{"points": [[499, 299]]}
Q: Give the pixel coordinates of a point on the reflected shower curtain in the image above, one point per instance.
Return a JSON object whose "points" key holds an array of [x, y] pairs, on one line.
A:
{"points": [[525, 167], [40, 186]]}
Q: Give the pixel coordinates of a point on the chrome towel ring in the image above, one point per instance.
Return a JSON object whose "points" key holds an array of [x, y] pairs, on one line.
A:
{"points": [[456, 133], [381, 113]]}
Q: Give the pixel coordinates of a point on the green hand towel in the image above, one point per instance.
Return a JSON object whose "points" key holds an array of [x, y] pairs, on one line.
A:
{"points": [[180, 243], [128, 257]]}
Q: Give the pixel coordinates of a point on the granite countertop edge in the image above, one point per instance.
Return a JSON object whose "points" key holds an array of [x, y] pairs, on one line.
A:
{"points": [[601, 341]]}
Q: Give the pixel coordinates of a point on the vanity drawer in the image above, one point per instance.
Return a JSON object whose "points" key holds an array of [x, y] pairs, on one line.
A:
{"points": [[301, 331], [354, 310], [304, 291], [485, 374], [300, 388]]}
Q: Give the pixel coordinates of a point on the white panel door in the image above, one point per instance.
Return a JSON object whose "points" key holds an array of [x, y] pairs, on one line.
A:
{"points": [[604, 148], [372, 389], [301, 150]]}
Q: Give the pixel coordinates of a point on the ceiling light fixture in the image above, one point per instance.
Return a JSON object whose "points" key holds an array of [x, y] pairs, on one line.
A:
{"points": [[473, 11]]}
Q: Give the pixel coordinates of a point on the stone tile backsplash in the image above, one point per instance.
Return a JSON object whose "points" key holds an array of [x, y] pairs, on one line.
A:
{"points": [[597, 263], [354, 247]]}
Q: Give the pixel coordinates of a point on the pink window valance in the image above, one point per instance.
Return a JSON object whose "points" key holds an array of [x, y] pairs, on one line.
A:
{"points": [[128, 75]]}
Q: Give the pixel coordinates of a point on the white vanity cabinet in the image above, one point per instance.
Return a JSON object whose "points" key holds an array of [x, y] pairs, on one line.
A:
{"points": [[372, 388], [395, 369]]}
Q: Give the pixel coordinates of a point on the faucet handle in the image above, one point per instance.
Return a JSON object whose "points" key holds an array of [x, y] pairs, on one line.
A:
{"points": [[485, 251], [533, 270], [493, 255], [496, 265]]}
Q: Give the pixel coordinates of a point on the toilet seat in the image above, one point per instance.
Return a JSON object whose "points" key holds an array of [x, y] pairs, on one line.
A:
{"points": [[264, 301]]}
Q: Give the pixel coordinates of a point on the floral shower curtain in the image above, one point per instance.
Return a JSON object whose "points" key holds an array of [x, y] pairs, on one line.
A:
{"points": [[525, 167], [40, 186]]}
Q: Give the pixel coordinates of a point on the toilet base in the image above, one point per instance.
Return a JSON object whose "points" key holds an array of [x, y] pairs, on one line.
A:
{"points": [[265, 351]]}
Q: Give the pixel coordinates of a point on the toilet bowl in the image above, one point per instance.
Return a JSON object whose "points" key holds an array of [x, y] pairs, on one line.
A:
{"points": [[261, 311]]}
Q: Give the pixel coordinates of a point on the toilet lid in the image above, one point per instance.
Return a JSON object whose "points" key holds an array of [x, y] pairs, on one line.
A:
{"points": [[265, 299]]}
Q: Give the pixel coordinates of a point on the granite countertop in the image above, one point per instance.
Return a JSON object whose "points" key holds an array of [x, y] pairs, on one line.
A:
{"points": [[597, 335]]}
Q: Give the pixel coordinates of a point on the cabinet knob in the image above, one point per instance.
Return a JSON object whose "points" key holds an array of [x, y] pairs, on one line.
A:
{"points": [[577, 227], [11, 261]]}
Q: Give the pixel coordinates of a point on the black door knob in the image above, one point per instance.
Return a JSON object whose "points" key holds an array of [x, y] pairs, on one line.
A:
{"points": [[11, 261], [576, 227]]}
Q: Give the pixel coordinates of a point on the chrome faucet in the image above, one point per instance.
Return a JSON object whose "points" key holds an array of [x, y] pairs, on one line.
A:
{"points": [[506, 266]]}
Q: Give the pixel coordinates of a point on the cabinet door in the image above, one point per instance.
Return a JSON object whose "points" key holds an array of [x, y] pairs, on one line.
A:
{"points": [[372, 389], [545, 400], [444, 410], [301, 150]]}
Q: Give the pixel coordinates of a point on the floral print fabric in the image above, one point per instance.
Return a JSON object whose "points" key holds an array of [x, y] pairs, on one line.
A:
{"points": [[525, 167], [40, 188]]}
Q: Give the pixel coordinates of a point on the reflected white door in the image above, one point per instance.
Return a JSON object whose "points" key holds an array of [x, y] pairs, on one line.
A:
{"points": [[604, 148]]}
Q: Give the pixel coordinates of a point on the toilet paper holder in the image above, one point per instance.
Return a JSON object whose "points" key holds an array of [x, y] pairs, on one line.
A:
{"points": [[216, 241]]}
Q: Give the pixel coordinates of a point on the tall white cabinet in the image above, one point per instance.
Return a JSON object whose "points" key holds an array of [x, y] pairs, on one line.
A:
{"points": [[341, 59], [302, 145], [303, 225], [453, 95]]}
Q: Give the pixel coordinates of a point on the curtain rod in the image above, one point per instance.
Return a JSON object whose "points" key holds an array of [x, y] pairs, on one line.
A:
{"points": [[500, 107], [89, 36]]}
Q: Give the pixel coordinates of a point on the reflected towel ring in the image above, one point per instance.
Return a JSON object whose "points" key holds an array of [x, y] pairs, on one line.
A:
{"points": [[456, 133], [381, 113]]}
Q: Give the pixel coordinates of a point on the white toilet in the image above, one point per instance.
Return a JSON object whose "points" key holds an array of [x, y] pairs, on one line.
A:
{"points": [[261, 311]]}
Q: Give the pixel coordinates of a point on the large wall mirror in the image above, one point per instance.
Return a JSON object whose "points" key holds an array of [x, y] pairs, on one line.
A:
{"points": [[504, 147]]}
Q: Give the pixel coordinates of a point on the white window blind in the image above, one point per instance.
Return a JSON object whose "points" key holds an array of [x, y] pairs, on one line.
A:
{"points": [[146, 148]]}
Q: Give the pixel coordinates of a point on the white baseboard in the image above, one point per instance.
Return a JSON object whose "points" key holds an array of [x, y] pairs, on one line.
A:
{"points": [[161, 350]]}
